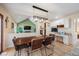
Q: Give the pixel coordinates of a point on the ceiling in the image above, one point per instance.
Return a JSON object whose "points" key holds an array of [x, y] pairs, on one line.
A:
{"points": [[21, 11]]}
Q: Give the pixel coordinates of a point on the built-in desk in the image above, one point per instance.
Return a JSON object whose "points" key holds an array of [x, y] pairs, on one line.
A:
{"points": [[65, 37]]}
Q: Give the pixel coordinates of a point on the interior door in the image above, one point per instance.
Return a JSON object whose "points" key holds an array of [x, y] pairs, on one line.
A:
{"points": [[0, 33]]}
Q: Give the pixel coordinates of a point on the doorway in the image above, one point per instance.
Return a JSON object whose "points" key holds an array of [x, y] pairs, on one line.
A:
{"points": [[1, 33]]}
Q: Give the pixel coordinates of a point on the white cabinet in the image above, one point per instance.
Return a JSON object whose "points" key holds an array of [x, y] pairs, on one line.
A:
{"points": [[66, 39], [67, 23]]}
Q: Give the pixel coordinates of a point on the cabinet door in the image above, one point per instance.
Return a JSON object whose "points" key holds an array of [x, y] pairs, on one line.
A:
{"points": [[67, 23]]}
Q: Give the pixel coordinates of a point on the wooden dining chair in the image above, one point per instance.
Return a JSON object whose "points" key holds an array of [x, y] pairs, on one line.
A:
{"points": [[36, 44], [48, 41], [17, 47], [20, 46], [53, 39]]}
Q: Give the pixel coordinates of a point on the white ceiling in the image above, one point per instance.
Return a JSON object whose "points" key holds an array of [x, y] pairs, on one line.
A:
{"points": [[20, 11]]}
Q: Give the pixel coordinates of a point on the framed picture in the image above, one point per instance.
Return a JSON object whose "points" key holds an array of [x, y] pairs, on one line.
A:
{"points": [[12, 25]]}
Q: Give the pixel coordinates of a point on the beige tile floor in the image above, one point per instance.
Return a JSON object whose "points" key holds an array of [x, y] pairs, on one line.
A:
{"points": [[59, 50]]}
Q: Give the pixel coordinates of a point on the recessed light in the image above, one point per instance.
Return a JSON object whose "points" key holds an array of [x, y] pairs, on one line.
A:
{"points": [[56, 17]]}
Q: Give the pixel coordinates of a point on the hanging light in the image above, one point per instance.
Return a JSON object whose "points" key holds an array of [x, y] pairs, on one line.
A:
{"points": [[35, 19], [40, 18]]}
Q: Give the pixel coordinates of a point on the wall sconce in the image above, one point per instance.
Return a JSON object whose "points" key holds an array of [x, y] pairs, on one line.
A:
{"points": [[6, 21]]}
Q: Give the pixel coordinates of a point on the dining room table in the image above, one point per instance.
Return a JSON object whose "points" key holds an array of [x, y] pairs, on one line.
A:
{"points": [[22, 41]]}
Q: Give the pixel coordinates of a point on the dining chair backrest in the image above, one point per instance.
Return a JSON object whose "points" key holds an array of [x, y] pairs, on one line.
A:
{"points": [[48, 40], [36, 43], [53, 36], [15, 44], [17, 47]]}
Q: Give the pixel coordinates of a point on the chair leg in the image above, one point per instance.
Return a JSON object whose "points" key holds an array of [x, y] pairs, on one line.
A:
{"points": [[41, 52], [18, 52], [45, 51], [28, 52]]}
